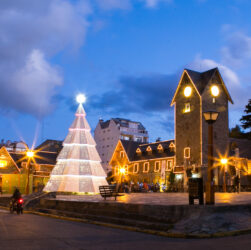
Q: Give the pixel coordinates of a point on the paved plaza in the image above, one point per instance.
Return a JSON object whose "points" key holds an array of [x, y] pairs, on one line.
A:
{"points": [[162, 198]]}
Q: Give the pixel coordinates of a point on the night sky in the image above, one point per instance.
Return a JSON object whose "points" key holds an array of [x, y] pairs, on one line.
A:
{"points": [[125, 55]]}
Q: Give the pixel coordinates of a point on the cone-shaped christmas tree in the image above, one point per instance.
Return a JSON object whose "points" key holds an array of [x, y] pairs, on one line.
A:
{"points": [[78, 167]]}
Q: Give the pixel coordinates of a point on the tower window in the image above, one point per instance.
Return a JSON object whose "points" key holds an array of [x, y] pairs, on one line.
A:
{"points": [[187, 108], [122, 154], [146, 167], [187, 152]]}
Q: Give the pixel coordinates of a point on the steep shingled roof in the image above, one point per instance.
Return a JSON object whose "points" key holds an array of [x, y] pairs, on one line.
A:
{"points": [[201, 80], [122, 122], [42, 158], [131, 147]]}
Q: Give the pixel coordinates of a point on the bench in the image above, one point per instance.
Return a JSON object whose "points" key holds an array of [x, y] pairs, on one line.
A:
{"points": [[108, 191]]}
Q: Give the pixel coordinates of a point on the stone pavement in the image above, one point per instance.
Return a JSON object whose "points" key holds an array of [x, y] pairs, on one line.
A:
{"points": [[162, 198]]}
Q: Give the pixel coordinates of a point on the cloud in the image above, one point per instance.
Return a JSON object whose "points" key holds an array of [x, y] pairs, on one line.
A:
{"points": [[154, 3], [108, 5], [237, 50], [31, 34], [114, 4], [229, 76], [151, 93], [238, 90]]}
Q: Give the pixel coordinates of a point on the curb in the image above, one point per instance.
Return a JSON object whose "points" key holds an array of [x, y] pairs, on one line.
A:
{"points": [[135, 229]]}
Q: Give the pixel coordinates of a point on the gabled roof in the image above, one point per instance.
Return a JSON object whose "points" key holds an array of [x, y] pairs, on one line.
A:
{"points": [[131, 147], [200, 80], [121, 121], [50, 146], [42, 158]]}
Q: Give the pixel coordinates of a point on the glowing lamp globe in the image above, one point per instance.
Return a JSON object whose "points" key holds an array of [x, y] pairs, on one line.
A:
{"points": [[223, 161], [30, 153], [215, 90], [187, 91], [81, 98], [122, 170]]}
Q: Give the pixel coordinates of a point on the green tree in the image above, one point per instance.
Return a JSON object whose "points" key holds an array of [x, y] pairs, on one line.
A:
{"points": [[246, 119], [236, 132]]}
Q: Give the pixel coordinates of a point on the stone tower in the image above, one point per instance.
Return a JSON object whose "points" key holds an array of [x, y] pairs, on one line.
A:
{"points": [[195, 94]]}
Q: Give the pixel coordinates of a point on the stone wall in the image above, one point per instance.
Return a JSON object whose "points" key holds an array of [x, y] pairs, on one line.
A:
{"points": [[188, 125]]}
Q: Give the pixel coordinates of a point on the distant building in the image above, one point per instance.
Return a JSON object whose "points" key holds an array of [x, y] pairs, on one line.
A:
{"points": [[15, 146], [14, 167], [107, 133]]}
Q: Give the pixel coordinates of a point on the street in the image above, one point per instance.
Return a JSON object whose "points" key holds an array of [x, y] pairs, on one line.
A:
{"points": [[29, 231]]}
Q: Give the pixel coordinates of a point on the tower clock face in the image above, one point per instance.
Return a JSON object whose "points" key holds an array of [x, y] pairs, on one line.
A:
{"points": [[187, 91], [215, 90]]}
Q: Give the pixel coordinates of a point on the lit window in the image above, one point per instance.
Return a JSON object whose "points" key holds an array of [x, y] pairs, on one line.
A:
{"points": [[138, 151], [3, 163], [126, 169], [135, 168], [122, 154], [149, 149], [187, 152], [160, 148], [187, 108], [157, 166], [146, 167], [169, 165], [187, 91], [172, 146], [215, 90], [116, 170]]}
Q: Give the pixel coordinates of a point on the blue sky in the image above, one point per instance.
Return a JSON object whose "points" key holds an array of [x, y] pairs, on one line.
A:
{"points": [[125, 55]]}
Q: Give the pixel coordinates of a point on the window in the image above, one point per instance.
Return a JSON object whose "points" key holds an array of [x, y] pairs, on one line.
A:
{"points": [[169, 165], [149, 150], [116, 170], [135, 168], [187, 152], [126, 169], [187, 108], [146, 167], [160, 148], [122, 154], [157, 166], [172, 146]]}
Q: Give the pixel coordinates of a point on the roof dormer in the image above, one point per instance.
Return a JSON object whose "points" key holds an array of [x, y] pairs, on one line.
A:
{"points": [[138, 151], [160, 148], [149, 150]]}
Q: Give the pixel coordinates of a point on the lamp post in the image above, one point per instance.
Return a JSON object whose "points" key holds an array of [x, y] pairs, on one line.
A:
{"points": [[29, 155], [224, 163], [210, 118]]}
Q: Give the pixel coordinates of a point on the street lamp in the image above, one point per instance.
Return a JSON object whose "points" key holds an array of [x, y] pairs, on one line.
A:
{"points": [[29, 155], [210, 118], [224, 163]]}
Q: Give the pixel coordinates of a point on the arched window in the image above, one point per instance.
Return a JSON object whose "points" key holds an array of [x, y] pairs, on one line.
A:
{"points": [[135, 168], [146, 167], [157, 166]]}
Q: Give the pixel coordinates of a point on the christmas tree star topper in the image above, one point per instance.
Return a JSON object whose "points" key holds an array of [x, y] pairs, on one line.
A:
{"points": [[81, 98]]}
